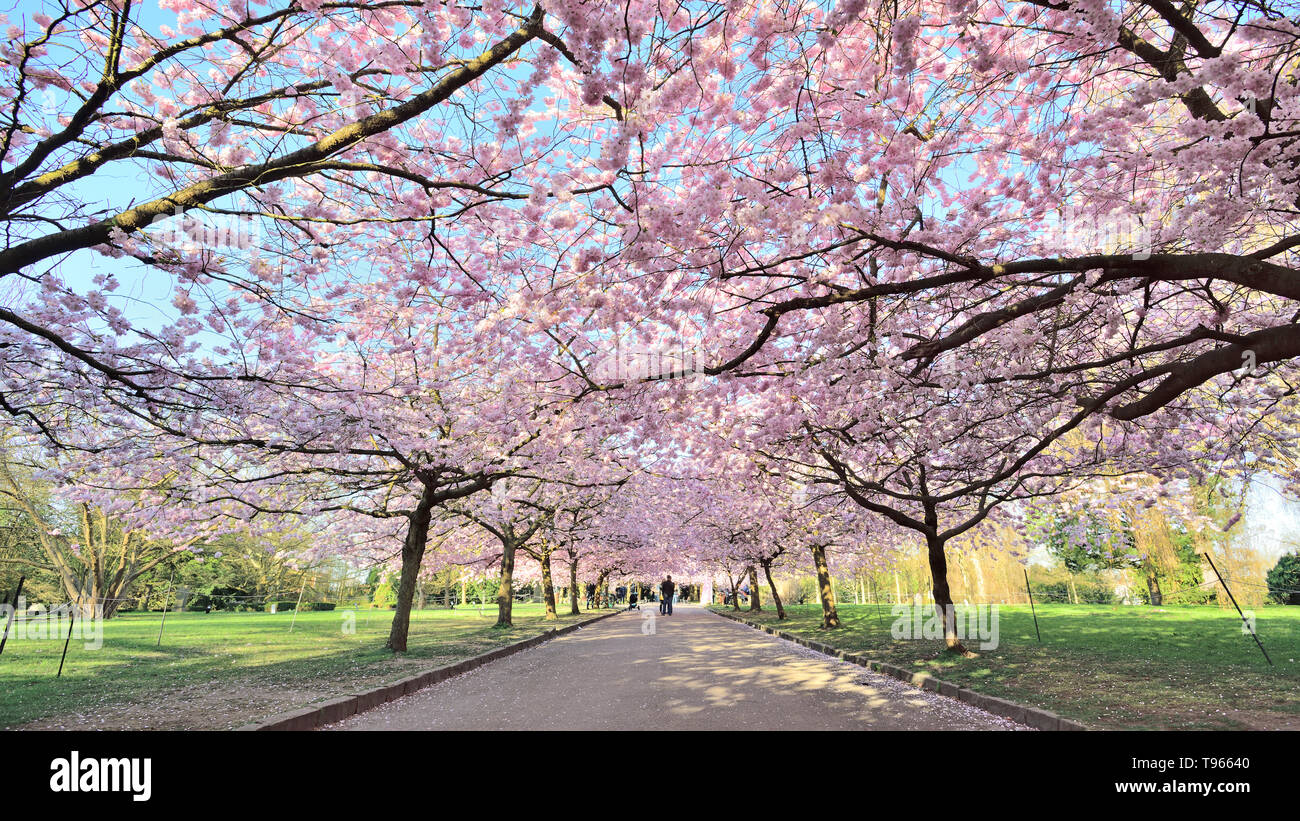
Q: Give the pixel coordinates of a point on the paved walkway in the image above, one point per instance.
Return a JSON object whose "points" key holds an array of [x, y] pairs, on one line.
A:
{"points": [[697, 671]]}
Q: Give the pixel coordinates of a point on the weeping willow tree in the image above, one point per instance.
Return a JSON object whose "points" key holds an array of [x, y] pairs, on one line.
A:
{"points": [[1173, 551], [1164, 558], [987, 567]]}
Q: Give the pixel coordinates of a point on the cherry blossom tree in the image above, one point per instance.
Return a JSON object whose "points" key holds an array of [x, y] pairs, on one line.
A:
{"points": [[526, 513], [928, 259], [916, 179]]}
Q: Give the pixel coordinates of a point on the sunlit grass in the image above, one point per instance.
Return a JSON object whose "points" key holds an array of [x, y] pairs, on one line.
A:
{"points": [[1106, 666], [250, 650]]}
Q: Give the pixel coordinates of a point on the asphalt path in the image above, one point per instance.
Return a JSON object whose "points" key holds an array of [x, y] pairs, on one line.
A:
{"points": [[689, 671]]}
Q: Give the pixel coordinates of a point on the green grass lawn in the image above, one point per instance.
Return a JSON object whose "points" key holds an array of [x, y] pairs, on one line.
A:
{"points": [[1108, 667], [221, 670]]}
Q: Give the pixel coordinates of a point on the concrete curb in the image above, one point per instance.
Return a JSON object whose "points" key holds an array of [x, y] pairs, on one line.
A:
{"points": [[337, 709], [1030, 716]]}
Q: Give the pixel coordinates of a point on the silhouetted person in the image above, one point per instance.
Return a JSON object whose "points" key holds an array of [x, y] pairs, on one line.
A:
{"points": [[666, 588]]}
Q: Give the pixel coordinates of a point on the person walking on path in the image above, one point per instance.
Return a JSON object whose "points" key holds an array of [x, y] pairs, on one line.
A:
{"points": [[666, 588]]}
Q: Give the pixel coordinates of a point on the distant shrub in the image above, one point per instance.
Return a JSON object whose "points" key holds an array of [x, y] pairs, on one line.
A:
{"points": [[1089, 592], [1053, 592], [1284, 580], [219, 598], [318, 605], [384, 596]]}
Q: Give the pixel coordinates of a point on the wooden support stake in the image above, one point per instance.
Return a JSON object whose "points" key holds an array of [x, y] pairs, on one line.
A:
{"points": [[166, 603], [1030, 591], [13, 612], [72, 619], [1233, 599], [299, 604]]}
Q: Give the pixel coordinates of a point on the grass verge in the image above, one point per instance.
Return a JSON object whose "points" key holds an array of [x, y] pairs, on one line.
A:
{"points": [[222, 670], [1111, 667]]}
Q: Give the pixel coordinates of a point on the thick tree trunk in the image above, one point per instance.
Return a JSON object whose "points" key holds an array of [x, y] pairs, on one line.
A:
{"points": [[573, 587], [776, 596], [1153, 588], [735, 592], [943, 605], [548, 588], [506, 590], [754, 603], [417, 537], [830, 617]]}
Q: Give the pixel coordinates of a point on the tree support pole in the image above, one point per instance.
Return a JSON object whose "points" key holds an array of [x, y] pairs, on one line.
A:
{"points": [[299, 602], [166, 604], [1030, 591], [13, 612], [72, 619], [1233, 599]]}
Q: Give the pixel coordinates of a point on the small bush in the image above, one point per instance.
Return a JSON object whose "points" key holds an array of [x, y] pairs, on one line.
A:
{"points": [[318, 605], [384, 596]]}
